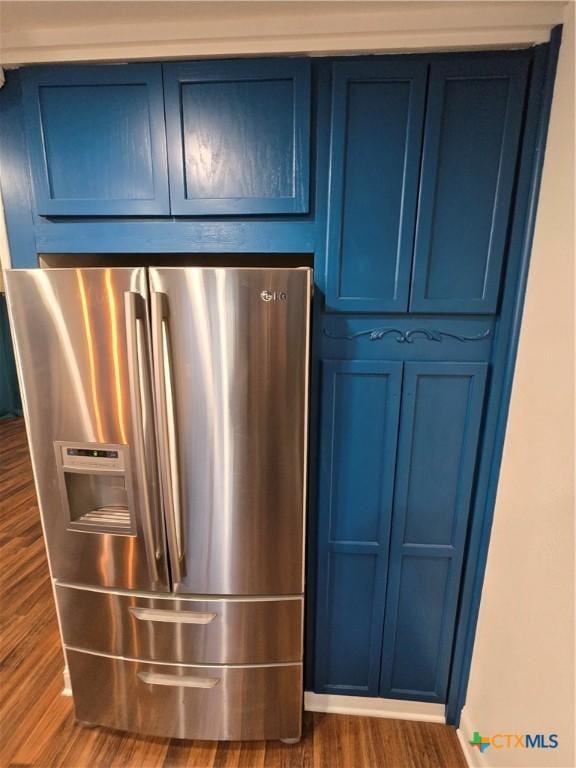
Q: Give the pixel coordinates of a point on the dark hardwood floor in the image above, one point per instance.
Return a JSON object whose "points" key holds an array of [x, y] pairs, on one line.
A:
{"points": [[37, 726]]}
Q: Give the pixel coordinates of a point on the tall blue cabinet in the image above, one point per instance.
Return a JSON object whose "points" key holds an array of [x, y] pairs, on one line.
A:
{"points": [[411, 183], [423, 156]]}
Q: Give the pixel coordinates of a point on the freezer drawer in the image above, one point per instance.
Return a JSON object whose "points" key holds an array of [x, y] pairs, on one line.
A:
{"points": [[189, 631], [188, 702]]}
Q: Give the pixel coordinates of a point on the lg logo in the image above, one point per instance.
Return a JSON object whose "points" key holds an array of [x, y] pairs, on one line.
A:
{"points": [[273, 296]]}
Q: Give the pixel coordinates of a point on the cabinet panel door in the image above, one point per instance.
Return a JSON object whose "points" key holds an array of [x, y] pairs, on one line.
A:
{"points": [[376, 134], [471, 140], [97, 140], [238, 136], [439, 434], [359, 423]]}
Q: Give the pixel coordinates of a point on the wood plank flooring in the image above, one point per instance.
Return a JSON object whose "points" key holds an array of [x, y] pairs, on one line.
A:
{"points": [[37, 726]]}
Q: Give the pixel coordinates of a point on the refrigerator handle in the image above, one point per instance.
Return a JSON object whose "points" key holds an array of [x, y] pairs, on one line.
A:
{"points": [[167, 433], [171, 617], [178, 681], [135, 309]]}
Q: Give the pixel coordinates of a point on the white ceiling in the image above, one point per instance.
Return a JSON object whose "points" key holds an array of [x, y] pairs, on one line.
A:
{"points": [[94, 30], [17, 14]]}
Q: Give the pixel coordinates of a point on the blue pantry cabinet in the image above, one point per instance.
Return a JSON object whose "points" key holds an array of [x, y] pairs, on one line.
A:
{"points": [[397, 457], [359, 431], [423, 154], [473, 122], [419, 197], [413, 182], [376, 138], [440, 420]]}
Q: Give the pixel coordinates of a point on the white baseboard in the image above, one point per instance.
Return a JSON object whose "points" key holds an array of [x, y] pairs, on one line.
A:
{"points": [[373, 707], [465, 733], [351, 705], [67, 690]]}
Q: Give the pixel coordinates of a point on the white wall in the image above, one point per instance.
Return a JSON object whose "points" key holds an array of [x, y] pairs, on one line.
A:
{"points": [[522, 677]]}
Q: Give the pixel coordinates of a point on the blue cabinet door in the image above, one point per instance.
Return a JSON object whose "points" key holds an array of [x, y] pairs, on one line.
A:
{"points": [[359, 422], [96, 139], [375, 146], [438, 442], [238, 136], [473, 123]]}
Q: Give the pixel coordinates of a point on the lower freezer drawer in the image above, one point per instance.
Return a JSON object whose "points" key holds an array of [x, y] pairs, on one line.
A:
{"points": [[182, 630], [187, 702]]}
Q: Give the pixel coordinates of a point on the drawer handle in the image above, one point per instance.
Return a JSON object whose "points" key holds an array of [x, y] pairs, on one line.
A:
{"points": [[183, 681], [173, 617]]}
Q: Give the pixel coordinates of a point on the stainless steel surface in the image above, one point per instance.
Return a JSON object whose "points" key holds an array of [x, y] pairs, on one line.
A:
{"points": [[206, 405], [231, 349], [177, 680], [96, 502], [168, 629], [138, 351], [71, 346], [108, 519], [244, 703], [166, 431], [96, 493], [175, 617], [69, 456]]}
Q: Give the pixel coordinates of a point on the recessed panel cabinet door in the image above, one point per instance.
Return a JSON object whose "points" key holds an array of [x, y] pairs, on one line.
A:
{"points": [[438, 442], [360, 407], [473, 123], [376, 134], [97, 140], [238, 136]]}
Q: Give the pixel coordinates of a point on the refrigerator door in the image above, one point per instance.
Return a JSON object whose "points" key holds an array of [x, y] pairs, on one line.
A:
{"points": [[82, 344], [231, 368]]}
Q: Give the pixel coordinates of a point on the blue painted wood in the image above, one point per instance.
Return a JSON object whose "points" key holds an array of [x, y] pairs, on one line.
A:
{"points": [[320, 120], [97, 140], [238, 136], [522, 232], [10, 403], [438, 443], [376, 135], [406, 337], [14, 175], [473, 121], [176, 237], [359, 421]]}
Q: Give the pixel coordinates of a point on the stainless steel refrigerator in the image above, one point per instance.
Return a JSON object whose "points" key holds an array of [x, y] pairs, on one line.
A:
{"points": [[166, 411]]}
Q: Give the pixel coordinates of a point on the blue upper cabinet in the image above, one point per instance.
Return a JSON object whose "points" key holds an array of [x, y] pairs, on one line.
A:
{"points": [[96, 139], [438, 443], [473, 123], [375, 147], [360, 407], [238, 136]]}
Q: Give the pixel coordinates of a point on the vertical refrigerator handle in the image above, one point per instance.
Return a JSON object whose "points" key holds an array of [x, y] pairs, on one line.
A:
{"points": [[141, 405], [167, 441]]}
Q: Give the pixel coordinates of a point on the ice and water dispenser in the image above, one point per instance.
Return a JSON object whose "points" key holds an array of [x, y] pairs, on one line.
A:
{"points": [[96, 487]]}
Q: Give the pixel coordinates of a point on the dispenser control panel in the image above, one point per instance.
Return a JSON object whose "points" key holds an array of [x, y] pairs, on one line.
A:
{"points": [[98, 457]]}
